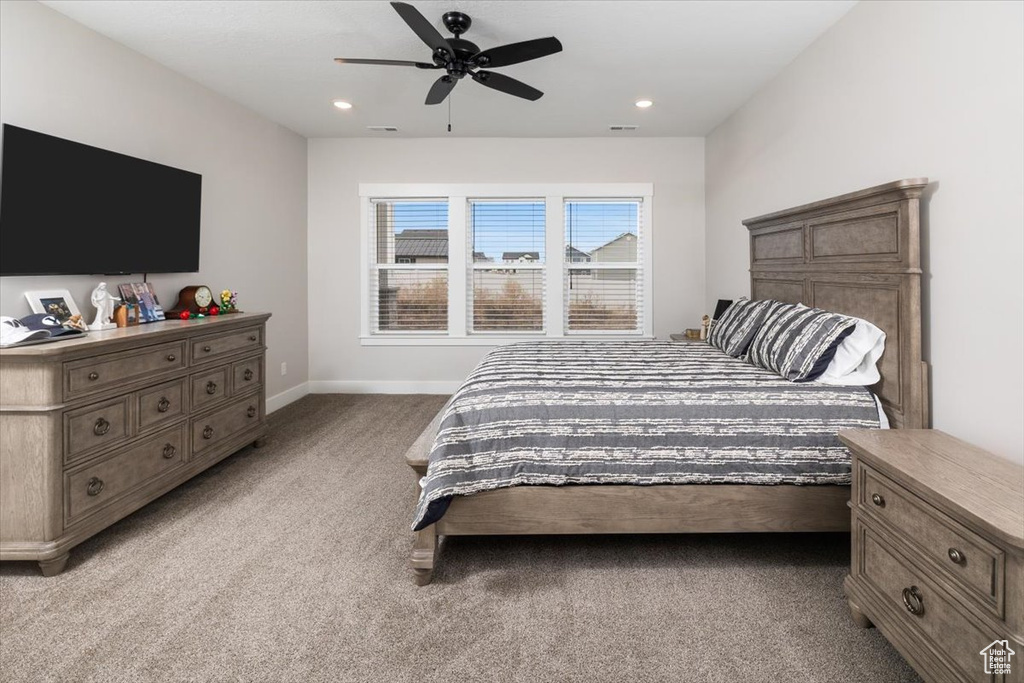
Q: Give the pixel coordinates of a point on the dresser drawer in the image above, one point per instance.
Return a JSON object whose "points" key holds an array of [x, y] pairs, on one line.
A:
{"points": [[246, 374], [922, 608], [95, 427], [960, 554], [91, 375], [220, 425], [90, 488], [215, 346], [209, 387], [160, 404]]}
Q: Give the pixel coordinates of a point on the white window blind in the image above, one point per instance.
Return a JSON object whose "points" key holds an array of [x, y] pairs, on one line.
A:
{"points": [[506, 250], [603, 265], [409, 265]]}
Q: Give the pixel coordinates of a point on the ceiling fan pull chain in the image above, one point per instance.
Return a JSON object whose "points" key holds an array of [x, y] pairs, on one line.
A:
{"points": [[449, 113]]}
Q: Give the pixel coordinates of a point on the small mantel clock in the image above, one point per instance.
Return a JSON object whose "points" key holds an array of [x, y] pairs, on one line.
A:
{"points": [[192, 301]]}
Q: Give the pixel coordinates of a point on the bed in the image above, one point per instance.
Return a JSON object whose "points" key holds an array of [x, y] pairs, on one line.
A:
{"points": [[856, 254]]}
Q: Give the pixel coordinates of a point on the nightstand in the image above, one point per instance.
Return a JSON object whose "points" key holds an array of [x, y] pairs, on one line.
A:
{"points": [[680, 337], [937, 562]]}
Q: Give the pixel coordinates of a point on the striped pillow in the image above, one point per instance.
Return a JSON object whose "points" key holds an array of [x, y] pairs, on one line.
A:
{"points": [[798, 342], [733, 332]]}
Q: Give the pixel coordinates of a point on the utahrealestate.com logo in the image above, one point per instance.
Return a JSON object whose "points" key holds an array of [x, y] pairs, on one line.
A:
{"points": [[997, 657]]}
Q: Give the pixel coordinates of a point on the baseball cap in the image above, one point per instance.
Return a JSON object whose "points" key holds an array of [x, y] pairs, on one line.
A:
{"points": [[48, 322], [13, 332]]}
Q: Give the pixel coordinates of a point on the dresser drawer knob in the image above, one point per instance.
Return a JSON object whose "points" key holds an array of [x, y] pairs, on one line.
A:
{"points": [[94, 486], [913, 601], [211, 387], [207, 348], [251, 412], [957, 556], [248, 375], [252, 337], [169, 451], [93, 376], [878, 500], [208, 432], [164, 405], [171, 358], [101, 427]]}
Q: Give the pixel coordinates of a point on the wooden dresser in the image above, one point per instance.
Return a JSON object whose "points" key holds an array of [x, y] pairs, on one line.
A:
{"points": [[93, 428], [938, 551]]}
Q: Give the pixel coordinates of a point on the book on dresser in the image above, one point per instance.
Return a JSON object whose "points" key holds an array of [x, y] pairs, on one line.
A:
{"points": [[937, 559], [94, 428]]}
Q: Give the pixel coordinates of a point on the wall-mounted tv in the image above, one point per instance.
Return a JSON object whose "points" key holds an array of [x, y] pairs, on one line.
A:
{"points": [[68, 208]]}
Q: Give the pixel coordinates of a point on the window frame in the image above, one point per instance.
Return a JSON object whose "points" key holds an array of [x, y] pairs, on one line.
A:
{"points": [[460, 264]]}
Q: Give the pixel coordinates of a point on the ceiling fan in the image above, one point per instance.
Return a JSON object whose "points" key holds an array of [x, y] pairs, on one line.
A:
{"points": [[460, 58]]}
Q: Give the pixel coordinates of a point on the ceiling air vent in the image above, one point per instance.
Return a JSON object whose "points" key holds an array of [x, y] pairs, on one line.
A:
{"points": [[623, 127], [384, 129]]}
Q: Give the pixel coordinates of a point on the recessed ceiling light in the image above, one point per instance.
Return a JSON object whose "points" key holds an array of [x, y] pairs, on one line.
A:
{"points": [[342, 104], [643, 104]]}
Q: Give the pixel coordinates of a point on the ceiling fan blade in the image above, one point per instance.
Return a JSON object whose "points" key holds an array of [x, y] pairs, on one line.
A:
{"points": [[423, 28], [506, 84], [517, 52], [440, 89], [386, 62]]}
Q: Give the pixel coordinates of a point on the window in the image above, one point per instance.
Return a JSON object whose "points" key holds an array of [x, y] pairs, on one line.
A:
{"points": [[483, 264], [603, 262], [410, 259], [507, 245]]}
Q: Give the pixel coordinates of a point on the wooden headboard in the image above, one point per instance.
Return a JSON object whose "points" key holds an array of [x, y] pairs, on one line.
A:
{"points": [[857, 254]]}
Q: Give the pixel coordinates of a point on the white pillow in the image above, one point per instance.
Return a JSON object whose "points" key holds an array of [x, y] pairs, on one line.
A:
{"points": [[856, 359]]}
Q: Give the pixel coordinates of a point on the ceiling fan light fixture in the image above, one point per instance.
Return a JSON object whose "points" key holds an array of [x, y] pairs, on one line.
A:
{"points": [[643, 104], [342, 104]]}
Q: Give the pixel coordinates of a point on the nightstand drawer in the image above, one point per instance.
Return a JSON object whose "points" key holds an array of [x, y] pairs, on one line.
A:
{"points": [[960, 554], [924, 610]]}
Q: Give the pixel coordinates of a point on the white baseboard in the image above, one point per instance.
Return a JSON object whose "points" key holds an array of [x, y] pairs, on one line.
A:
{"points": [[383, 387], [278, 401]]}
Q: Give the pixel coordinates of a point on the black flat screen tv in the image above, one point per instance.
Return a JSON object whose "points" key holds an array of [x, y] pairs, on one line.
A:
{"points": [[68, 208]]}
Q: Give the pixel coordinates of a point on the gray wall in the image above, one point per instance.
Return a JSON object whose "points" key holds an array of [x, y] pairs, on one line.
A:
{"points": [[337, 166], [895, 90], [58, 77]]}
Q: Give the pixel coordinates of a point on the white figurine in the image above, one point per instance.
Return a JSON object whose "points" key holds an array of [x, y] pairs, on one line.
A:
{"points": [[104, 303]]}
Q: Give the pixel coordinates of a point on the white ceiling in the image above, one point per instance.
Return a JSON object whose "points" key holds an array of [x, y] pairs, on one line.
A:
{"points": [[698, 61]]}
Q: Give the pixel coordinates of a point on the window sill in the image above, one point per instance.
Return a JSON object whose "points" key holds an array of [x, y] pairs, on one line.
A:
{"points": [[486, 340]]}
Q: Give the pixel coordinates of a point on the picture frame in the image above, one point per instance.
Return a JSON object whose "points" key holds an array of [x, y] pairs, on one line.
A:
{"points": [[57, 302], [143, 298]]}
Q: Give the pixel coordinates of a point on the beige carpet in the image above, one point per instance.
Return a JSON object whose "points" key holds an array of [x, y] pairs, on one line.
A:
{"points": [[290, 564]]}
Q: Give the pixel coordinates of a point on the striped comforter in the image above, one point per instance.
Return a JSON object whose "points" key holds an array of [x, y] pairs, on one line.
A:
{"points": [[640, 412]]}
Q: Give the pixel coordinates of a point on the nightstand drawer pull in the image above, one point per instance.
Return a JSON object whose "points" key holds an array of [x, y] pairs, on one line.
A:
{"points": [[252, 337], [164, 405], [93, 376], [248, 375], [171, 358], [211, 387], [207, 349], [251, 412], [913, 601], [101, 427], [94, 486], [208, 432], [878, 500], [957, 556], [169, 451]]}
